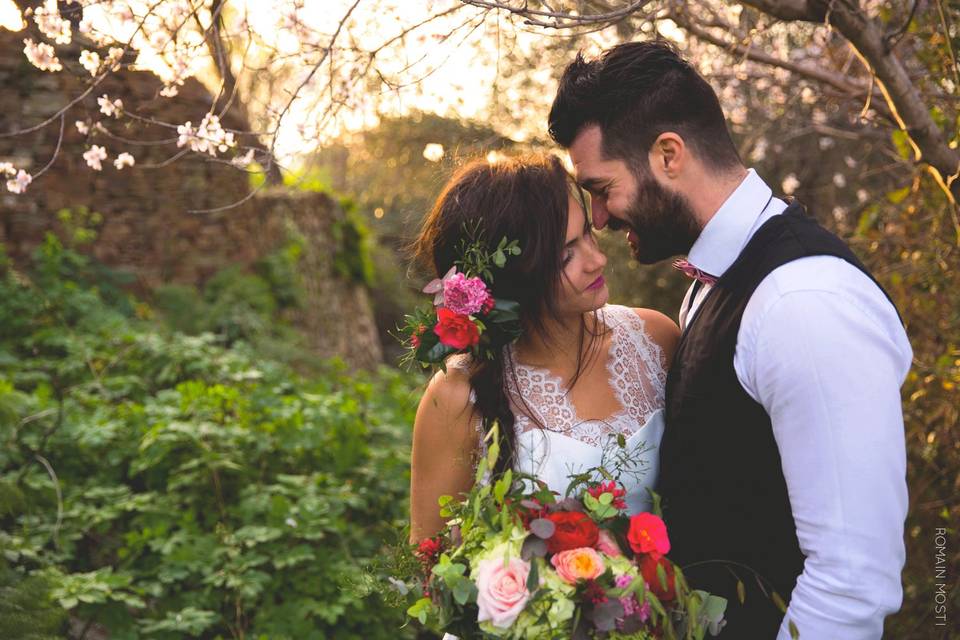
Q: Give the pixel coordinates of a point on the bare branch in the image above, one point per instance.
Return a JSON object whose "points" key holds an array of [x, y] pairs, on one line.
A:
{"points": [[560, 20]]}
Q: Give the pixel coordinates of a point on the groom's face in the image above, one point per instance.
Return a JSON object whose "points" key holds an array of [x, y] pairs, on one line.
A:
{"points": [[660, 223]]}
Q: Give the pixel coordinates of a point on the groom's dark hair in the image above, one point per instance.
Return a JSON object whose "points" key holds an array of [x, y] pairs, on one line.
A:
{"points": [[634, 92]]}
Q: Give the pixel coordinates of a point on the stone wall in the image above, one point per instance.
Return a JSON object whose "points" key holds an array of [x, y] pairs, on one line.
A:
{"points": [[147, 227]]}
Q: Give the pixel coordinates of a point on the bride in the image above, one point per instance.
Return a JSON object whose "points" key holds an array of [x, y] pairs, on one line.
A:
{"points": [[583, 373]]}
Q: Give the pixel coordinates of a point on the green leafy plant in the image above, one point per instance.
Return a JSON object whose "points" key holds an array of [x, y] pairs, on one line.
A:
{"points": [[161, 485]]}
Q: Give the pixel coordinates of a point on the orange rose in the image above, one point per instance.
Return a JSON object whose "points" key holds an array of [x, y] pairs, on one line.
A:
{"points": [[578, 564]]}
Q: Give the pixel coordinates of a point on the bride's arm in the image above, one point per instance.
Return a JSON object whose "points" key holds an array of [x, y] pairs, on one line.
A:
{"points": [[444, 447]]}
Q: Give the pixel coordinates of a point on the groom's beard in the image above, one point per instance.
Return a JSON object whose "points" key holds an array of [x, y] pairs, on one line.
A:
{"points": [[662, 221]]}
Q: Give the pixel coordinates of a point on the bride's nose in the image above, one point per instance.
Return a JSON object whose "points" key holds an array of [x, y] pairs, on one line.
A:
{"points": [[597, 258]]}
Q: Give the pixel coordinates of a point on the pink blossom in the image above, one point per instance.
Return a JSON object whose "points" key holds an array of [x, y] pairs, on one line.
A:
{"points": [[51, 23], [110, 108], [94, 156], [464, 295], [124, 160], [19, 184], [90, 60], [502, 590], [41, 55]]}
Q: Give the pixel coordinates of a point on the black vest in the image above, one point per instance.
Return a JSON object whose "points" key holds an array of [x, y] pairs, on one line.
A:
{"points": [[724, 494]]}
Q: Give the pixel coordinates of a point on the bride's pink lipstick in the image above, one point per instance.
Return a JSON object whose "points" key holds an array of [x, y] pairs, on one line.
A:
{"points": [[596, 284]]}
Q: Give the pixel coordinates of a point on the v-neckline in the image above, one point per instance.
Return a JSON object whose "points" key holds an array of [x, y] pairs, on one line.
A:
{"points": [[549, 376]]}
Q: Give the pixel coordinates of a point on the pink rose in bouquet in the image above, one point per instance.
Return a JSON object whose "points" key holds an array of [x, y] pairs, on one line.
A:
{"points": [[607, 544], [502, 590]]}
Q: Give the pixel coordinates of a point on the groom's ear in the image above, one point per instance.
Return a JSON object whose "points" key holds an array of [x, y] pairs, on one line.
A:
{"points": [[668, 155]]}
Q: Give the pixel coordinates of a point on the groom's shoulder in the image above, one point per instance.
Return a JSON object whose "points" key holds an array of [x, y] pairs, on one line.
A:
{"points": [[821, 273], [818, 287]]}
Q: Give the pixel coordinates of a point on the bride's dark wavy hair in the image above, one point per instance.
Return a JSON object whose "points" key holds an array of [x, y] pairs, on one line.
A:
{"points": [[523, 198]]}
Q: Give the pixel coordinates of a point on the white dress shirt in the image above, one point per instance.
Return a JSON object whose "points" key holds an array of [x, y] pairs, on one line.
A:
{"points": [[823, 351]]}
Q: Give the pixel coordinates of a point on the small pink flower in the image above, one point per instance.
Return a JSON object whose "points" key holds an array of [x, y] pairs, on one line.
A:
{"points": [[578, 564], [502, 590], [464, 295], [607, 544], [630, 604], [437, 285]]}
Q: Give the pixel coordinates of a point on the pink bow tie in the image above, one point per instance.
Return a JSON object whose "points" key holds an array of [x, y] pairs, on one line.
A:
{"points": [[692, 272]]}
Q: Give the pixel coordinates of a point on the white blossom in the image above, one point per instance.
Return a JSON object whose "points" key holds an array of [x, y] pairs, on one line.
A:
{"points": [[862, 195], [41, 55], [790, 184], [209, 137], [839, 180], [94, 156], [82, 127], [7, 168], [114, 56], [51, 23], [169, 91], [433, 152], [826, 143], [110, 108], [20, 183], [90, 60], [244, 160], [124, 160]]}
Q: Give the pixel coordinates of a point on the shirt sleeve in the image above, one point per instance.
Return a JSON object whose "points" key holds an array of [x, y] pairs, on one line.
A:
{"points": [[829, 376]]}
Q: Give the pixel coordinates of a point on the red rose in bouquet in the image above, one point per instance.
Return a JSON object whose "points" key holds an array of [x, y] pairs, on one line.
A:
{"points": [[573, 530], [455, 329], [648, 569]]}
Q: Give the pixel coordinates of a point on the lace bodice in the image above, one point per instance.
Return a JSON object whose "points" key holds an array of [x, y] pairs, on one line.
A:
{"points": [[569, 444], [637, 374]]}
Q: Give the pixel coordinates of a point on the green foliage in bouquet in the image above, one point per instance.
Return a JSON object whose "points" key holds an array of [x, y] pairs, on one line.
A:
{"points": [[158, 485], [516, 561]]}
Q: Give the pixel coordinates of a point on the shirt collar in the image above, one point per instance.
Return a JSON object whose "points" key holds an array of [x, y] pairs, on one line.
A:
{"points": [[730, 228]]}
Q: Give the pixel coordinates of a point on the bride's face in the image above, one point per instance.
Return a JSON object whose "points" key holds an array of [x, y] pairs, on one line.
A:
{"points": [[582, 285]]}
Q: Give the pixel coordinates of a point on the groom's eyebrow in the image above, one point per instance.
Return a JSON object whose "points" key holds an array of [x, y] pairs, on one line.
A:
{"points": [[590, 183]]}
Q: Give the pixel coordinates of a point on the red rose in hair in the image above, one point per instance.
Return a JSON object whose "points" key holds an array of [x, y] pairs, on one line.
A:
{"points": [[455, 329], [573, 530], [648, 568]]}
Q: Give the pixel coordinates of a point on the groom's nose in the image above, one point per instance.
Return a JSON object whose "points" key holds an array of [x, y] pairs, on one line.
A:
{"points": [[599, 214]]}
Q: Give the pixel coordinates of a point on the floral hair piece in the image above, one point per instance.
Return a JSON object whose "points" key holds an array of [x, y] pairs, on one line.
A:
{"points": [[464, 316]]}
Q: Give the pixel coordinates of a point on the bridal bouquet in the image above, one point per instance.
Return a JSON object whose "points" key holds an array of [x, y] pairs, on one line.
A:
{"points": [[515, 561]]}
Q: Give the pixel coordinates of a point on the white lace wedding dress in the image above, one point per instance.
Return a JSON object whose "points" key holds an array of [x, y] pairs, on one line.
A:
{"points": [[570, 445]]}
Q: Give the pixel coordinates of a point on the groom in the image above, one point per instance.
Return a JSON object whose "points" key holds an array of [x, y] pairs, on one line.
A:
{"points": [[783, 461]]}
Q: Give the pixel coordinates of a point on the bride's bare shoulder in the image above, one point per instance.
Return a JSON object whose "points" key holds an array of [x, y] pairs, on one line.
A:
{"points": [[446, 401], [661, 329]]}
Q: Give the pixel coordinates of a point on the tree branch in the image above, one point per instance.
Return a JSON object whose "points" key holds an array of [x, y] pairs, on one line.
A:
{"points": [[906, 105]]}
